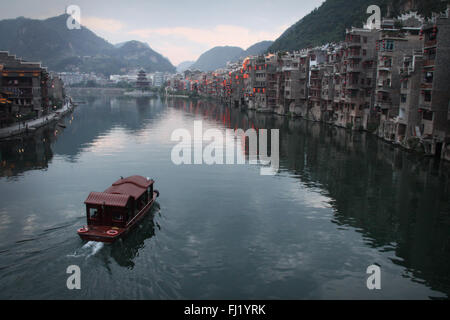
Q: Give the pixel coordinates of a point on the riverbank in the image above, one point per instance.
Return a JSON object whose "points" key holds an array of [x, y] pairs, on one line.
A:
{"points": [[32, 125], [177, 96], [417, 145]]}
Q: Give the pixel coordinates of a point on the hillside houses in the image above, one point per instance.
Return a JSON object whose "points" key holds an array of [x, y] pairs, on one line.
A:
{"points": [[392, 81]]}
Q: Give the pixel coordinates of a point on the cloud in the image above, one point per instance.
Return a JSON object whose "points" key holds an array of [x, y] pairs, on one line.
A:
{"points": [[219, 35], [101, 24], [178, 53], [187, 43]]}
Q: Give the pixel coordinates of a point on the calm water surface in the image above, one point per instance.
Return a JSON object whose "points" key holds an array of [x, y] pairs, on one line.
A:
{"points": [[340, 203]]}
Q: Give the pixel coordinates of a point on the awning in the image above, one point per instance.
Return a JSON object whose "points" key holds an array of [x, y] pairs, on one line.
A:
{"points": [[107, 199]]}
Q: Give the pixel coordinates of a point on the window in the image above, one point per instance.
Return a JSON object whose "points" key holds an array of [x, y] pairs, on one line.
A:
{"points": [[427, 115], [389, 45], [117, 215], [403, 98], [405, 84], [93, 213]]}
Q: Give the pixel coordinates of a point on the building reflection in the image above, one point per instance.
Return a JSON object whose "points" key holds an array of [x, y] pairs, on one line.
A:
{"points": [[31, 152], [398, 201], [89, 121]]}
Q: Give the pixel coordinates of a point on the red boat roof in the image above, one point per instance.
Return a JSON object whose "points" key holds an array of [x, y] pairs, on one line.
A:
{"points": [[119, 193], [136, 180], [108, 199], [134, 186]]}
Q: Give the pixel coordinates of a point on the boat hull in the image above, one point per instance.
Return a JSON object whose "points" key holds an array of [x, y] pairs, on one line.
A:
{"points": [[100, 233]]}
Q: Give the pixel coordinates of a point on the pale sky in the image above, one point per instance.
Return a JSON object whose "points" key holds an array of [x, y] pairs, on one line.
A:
{"points": [[179, 30]]}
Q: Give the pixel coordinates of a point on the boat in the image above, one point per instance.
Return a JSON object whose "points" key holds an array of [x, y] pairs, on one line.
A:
{"points": [[113, 213]]}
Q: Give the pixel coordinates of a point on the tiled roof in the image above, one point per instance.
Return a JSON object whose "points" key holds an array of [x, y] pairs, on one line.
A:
{"points": [[134, 186], [107, 199]]}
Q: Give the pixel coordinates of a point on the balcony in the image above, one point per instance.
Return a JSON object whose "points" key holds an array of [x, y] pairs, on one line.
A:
{"points": [[384, 104], [406, 71], [384, 88], [426, 86], [354, 68], [354, 55], [425, 103], [353, 86], [354, 45], [430, 43], [429, 63], [384, 68]]}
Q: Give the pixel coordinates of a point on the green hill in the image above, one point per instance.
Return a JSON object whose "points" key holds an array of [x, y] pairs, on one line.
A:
{"points": [[60, 49], [329, 22], [216, 58]]}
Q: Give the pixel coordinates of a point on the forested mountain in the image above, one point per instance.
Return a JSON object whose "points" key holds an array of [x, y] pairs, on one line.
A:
{"points": [[217, 58], [60, 49], [329, 22]]}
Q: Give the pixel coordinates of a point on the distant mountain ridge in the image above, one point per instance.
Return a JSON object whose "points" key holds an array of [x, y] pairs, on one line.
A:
{"points": [[185, 65], [328, 22], [61, 49], [258, 48], [218, 57]]}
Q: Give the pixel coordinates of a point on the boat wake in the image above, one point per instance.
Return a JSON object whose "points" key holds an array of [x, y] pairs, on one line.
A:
{"points": [[88, 250]]}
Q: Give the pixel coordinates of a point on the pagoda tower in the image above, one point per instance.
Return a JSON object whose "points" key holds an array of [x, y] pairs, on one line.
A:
{"points": [[142, 81]]}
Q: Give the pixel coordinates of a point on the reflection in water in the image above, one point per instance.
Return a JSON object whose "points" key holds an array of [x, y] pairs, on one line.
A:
{"points": [[397, 202], [126, 250], [27, 153]]}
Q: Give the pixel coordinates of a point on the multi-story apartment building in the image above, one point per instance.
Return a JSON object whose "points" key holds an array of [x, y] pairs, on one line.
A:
{"points": [[355, 79], [317, 59], [393, 44], [25, 86], [409, 128], [301, 106], [391, 81], [435, 95]]}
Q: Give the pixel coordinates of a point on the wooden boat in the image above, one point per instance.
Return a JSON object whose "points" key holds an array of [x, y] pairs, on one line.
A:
{"points": [[113, 213]]}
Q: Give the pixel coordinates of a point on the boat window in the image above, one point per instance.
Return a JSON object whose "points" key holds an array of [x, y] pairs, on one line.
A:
{"points": [[117, 215], [93, 213]]}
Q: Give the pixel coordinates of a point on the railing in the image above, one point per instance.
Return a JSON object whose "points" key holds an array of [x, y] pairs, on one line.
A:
{"points": [[430, 43]]}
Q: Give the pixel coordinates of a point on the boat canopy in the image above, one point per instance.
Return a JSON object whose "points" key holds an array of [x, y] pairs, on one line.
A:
{"points": [[107, 199], [133, 186], [120, 192]]}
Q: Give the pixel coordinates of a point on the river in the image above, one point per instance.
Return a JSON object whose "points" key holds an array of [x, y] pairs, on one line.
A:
{"points": [[340, 202]]}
